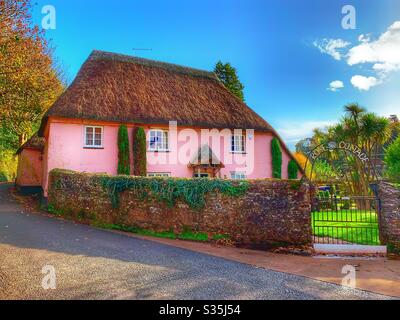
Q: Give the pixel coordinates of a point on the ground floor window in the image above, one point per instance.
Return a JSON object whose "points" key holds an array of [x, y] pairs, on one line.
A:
{"points": [[201, 175], [238, 175], [159, 174]]}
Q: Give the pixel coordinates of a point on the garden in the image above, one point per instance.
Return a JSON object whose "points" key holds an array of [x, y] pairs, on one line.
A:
{"points": [[346, 227]]}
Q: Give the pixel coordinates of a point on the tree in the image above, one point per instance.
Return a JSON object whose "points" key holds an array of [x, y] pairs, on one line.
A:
{"points": [[29, 80], [139, 152], [124, 167], [319, 170], [360, 128], [292, 170], [392, 160], [300, 158], [323, 171], [228, 76], [276, 158]]}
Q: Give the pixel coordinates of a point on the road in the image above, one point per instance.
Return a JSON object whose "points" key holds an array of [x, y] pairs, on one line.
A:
{"points": [[96, 264]]}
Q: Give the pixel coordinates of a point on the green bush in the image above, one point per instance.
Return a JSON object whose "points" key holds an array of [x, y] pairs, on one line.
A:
{"points": [[276, 152], [392, 160], [123, 151], [8, 166], [292, 170], [139, 152]]}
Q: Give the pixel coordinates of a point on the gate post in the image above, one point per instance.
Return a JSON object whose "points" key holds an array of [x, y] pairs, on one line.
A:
{"points": [[389, 216]]}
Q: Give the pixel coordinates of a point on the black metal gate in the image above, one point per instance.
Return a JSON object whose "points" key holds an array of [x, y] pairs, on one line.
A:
{"points": [[345, 220]]}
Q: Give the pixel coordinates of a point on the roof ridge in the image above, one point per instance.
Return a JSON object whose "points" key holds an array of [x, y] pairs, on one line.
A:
{"points": [[172, 67]]}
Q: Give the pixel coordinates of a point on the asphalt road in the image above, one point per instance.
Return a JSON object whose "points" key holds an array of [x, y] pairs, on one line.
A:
{"points": [[97, 264]]}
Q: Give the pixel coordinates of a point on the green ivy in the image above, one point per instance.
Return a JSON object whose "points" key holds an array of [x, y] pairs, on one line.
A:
{"points": [[292, 170], [123, 151], [169, 190], [139, 152], [276, 158]]}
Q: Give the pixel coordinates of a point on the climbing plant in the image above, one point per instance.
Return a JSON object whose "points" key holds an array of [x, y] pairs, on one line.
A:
{"points": [[123, 151], [292, 170], [169, 190], [139, 152], [276, 158]]}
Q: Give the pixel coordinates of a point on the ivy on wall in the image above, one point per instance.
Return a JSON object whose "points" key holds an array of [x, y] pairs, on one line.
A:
{"points": [[276, 152], [123, 151], [169, 190], [139, 152], [292, 170]]}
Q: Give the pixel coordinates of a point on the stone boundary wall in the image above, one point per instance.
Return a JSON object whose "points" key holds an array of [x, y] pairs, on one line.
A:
{"points": [[271, 212], [389, 220]]}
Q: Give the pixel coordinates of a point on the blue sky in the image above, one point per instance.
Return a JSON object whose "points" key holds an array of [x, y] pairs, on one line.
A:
{"points": [[284, 50]]}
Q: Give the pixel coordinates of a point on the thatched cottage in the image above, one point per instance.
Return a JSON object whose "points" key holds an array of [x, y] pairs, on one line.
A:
{"points": [[177, 106]]}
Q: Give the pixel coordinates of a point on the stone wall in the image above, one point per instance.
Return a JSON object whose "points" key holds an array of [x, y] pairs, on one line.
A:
{"points": [[389, 224], [271, 212]]}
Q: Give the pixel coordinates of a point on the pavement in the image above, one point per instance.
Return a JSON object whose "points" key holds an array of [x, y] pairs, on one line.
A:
{"points": [[375, 274], [97, 264]]}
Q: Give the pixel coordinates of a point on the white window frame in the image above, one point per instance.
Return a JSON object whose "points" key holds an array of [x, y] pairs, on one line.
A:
{"points": [[93, 146], [238, 143], [164, 145], [238, 175], [158, 174], [198, 175]]}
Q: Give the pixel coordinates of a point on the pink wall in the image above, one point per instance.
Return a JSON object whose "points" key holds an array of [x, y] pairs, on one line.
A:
{"points": [[65, 149], [30, 166]]}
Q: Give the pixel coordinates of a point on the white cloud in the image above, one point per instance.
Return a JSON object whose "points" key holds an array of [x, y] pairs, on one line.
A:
{"points": [[384, 52], [332, 47], [336, 85], [385, 67], [364, 38], [294, 131], [364, 83], [386, 110]]}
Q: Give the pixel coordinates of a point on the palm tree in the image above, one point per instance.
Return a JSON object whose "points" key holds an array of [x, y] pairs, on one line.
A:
{"points": [[363, 129]]}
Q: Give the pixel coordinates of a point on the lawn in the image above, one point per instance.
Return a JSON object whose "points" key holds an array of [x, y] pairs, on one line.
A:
{"points": [[350, 226]]}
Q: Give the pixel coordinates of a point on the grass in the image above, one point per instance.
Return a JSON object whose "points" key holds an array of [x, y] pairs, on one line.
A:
{"points": [[185, 235], [353, 226]]}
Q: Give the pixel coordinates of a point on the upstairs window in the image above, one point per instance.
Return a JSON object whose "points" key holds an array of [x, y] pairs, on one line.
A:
{"points": [[238, 144], [158, 140], [93, 137]]}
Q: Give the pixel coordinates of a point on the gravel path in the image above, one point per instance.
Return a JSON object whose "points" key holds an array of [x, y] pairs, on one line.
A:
{"points": [[97, 264]]}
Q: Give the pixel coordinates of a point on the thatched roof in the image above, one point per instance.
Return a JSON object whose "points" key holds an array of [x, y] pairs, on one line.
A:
{"points": [[120, 88], [35, 142]]}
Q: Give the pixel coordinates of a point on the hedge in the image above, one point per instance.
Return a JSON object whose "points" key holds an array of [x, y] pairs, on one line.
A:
{"points": [[124, 167], [276, 152], [139, 152]]}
